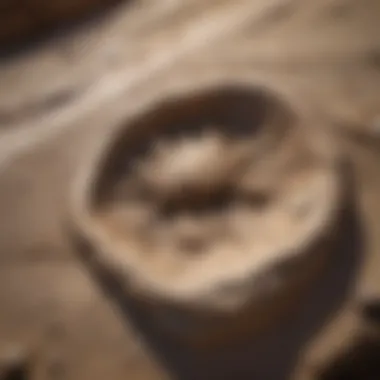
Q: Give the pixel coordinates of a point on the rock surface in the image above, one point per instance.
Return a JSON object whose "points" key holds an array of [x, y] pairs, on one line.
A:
{"points": [[60, 98]]}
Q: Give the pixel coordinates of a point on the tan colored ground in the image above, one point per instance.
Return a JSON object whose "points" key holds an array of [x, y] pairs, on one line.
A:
{"points": [[58, 99]]}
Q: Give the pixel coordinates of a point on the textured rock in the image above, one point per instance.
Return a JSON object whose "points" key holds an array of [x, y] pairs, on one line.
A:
{"points": [[237, 228], [60, 99]]}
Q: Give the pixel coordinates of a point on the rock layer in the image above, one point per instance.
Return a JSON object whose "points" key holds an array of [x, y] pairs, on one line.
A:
{"points": [[22, 21]]}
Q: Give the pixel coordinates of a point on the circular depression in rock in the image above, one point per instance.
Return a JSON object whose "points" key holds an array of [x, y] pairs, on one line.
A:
{"points": [[213, 200]]}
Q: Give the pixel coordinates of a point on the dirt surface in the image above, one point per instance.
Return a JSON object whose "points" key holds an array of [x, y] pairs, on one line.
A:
{"points": [[63, 96]]}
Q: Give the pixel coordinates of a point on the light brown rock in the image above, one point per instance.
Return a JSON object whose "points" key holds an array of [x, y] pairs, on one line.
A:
{"points": [[59, 99]]}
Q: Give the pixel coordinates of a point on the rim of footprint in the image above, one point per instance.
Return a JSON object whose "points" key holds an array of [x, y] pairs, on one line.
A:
{"points": [[213, 208]]}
